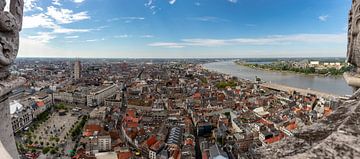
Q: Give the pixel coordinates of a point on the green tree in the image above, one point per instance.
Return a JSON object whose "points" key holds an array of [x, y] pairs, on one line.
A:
{"points": [[45, 150]]}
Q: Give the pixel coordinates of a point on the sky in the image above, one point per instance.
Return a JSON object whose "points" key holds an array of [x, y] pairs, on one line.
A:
{"points": [[184, 28]]}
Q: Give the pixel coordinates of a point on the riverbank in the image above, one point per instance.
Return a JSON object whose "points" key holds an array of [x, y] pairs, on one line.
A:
{"points": [[299, 90], [284, 88], [327, 74], [330, 85]]}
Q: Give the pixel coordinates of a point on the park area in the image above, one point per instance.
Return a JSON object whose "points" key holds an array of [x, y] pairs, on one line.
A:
{"points": [[53, 131]]}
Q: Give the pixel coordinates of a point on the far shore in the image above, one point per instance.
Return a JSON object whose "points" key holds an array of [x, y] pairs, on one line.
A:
{"points": [[292, 72], [277, 85]]}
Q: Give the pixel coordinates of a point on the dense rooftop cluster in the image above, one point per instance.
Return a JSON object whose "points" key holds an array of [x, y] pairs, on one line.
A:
{"points": [[167, 109]]}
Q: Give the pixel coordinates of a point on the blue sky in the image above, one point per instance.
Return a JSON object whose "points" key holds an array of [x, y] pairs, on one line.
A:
{"points": [[184, 28]]}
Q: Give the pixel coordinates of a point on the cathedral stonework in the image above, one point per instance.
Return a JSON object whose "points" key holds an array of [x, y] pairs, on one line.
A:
{"points": [[353, 53], [353, 50], [10, 26]]}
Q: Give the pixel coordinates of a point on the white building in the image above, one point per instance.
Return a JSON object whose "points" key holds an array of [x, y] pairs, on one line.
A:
{"points": [[104, 143], [73, 97], [314, 63], [106, 155], [64, 97], [97, 98], [99, 113], [152, 154], [20, 116]]}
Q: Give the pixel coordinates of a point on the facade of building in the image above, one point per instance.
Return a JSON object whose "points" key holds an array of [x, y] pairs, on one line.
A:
{"points": [[155, 149], [77, 70], [175, 136], [104, 143], [97, 98], [20, 116], [114, 100], [71, 97], [63, 97]]}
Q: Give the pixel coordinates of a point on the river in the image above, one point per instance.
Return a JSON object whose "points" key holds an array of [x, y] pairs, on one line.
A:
{"points": [[332, 85]]}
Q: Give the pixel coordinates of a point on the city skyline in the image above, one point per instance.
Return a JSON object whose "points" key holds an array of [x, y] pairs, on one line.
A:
{"points": [[184, 29], [175, 79]]}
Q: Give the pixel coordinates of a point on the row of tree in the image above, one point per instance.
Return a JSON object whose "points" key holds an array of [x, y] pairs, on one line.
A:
{"points": [[307, 70]]}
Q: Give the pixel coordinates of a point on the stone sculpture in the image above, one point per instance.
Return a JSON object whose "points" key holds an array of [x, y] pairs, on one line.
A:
{"points": [[353, 33], [10, 26], [353, 52]]}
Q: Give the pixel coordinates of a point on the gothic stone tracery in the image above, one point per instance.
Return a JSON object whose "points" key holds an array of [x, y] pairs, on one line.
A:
{"points": [[10, 26]]}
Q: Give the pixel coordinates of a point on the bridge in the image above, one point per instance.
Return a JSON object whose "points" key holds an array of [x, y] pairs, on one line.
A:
{"points": [[279, 87]]}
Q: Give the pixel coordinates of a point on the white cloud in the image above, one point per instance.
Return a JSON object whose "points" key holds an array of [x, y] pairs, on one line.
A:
{"points": [[61, 30], [269, 40], [122, 36], [172, 2], [133, 18], [52, 20], [95, 40], [151, 5], [30, 5], [208, 19], [38, 20], [112, 19], [147, 36], [78, 1], [71, 37], [126, 19], [43, 37], [56, 2], [323, 18], [233, 1], [130, 36], [66, 16], [44, 21], [167, 45]]}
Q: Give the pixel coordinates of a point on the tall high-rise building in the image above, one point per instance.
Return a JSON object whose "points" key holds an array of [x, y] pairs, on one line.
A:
{"points": [[77, 70]]}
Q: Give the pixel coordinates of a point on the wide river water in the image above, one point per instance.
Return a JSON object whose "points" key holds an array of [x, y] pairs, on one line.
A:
{"points": [[332, 85]]}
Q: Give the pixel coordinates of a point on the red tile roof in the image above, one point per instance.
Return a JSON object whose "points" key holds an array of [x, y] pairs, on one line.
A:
{"points": [[131, 113], [87, 133], [90, 129], [189, 141], [327, 111], [157, 145], [151, 141], [93, 127], [132, 125], [291, 126], [275, 139], [125, 155], [40, 104], [197, 96]]}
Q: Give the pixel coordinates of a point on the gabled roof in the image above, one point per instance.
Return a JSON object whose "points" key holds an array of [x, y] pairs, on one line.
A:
{"points": [[151, 141]]}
